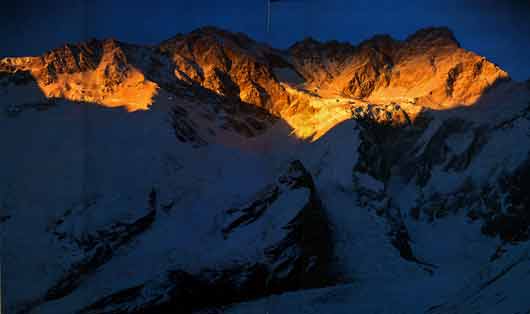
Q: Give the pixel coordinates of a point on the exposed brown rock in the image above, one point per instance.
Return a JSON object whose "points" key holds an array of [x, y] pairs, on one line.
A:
{"points": [[232, 65], [429, 68]]}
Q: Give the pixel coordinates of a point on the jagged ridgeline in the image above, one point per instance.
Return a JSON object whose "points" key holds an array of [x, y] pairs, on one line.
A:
{"points": [[429, 68], [211, 173]]}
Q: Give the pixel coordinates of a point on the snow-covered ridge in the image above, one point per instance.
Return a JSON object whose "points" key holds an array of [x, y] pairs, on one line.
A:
{"points": [[195, 166], [427, 69]]}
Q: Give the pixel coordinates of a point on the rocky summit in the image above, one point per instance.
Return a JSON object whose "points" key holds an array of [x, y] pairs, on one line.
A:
{"points": [[211, 173]]}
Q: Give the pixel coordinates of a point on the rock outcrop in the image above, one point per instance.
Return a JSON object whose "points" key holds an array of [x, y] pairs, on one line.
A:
{"points": [[92, 235], [404, 160], [232, 65], [285, 221], [95, 71], [429, 68]]}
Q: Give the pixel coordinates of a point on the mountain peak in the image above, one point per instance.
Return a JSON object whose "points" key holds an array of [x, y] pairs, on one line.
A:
{"points": [[379, 39], [429, 68], [433, 36], [306, 42]]}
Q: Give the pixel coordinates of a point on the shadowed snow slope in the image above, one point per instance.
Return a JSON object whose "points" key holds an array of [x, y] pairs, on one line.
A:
{"points": [[213, 173]]}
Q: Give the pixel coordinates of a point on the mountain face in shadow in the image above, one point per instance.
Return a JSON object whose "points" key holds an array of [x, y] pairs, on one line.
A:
{"points": [[213, 173]]}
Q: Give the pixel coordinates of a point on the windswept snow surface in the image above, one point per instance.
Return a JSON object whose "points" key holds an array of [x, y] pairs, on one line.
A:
{"points": [[464, 277], [72, 154]]}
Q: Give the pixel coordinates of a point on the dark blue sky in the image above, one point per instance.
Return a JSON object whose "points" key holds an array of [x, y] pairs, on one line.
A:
{"points": [[499, 30]]}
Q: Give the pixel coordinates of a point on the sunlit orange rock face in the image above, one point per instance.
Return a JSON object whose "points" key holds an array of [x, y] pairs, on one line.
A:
{"points": [[232, 65], [429, 68], [95, 71], [311, 85]]}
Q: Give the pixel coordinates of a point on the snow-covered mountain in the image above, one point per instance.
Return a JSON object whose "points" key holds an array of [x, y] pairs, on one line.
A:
{"points": [[215, 174]]}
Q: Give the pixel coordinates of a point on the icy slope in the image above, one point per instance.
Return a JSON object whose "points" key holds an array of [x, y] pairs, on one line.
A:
{"points": [[189, 194], [435, 218]]}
